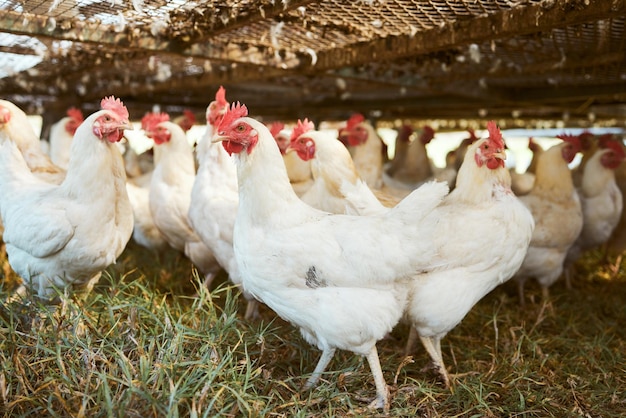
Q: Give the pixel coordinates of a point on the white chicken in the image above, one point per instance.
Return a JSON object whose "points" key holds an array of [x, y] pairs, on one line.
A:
{"points": [[15, 127], [414, 166], [170, 192], [481, 236], [366, 149], [145, 231], [402, 143], [601, 200], [523, 183], [337, 187], [465, 275], [186, 120], [61, 135], [62, 235], [298, 170], [341, 279], [557, 212], [215, 198]]}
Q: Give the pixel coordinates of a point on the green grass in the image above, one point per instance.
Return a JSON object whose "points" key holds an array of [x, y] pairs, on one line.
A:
{"points": [[142, 344]]}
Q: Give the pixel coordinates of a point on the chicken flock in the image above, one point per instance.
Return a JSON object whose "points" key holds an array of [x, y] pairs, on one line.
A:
{"points": [[316, 226]]}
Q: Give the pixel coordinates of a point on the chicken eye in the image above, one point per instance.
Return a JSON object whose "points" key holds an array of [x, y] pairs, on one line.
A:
{"points": [[240, 128]]}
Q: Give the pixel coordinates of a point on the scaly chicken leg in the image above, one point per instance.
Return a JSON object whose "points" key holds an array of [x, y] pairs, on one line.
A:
{"points": [[382, 392], [326, 357], [410, 342], [252, 310], [433, 347]]}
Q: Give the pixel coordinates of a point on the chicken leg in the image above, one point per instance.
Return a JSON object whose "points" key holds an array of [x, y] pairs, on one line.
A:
{"points": [[252, 310], [326, 357], [410, 343], [382, 392], [433, 347]]}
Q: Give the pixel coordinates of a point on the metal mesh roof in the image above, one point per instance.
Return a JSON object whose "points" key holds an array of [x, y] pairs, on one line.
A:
{"points": [[528, 59]]}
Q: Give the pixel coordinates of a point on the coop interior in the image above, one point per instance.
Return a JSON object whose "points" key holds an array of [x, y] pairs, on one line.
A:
{"points": [[453, 64]]}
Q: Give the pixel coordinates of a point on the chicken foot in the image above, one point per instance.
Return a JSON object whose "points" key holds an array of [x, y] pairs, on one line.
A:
{"points": [[326, 357], [433, 347], [382, 392]]}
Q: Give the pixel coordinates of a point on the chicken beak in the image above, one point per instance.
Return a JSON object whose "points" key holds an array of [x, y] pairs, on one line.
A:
{"points": [[127, 125], [500, 155], [218, 138]]}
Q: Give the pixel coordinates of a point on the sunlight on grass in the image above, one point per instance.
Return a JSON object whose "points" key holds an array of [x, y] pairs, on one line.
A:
{"points": [[150, 341]]}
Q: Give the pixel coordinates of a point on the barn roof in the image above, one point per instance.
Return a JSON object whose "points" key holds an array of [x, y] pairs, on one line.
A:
{"points": [[525, 60]]}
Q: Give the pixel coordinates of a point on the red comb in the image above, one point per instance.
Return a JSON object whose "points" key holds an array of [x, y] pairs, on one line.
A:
{"points": [[428, 133], [190, 116], [404, 133], [472, 136], [75, 114], [236, 111], [276, 127], [354, 120], [152, 119], [114, 105], [586, 139], [302, 127], [613, 143], [572, 139], [495, 135], [220, 97]]}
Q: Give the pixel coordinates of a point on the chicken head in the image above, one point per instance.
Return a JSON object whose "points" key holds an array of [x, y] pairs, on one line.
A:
{"points": [[111, 125], [5, 115], [217, 108], [573, 145], [491, 152], [614, 157], [151, 124], [354, 133], [237, 135], [75, 119], [303, 145]]}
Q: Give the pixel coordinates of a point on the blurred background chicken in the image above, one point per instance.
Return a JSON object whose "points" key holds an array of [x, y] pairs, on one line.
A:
{"points": [[15, 127], [145, 231], [170, 192], [58, 236], [298, 170], [522, 183], [366, 148], [61, 135], [557, 211], [337, 186], [411, 165], [601, 199], [616, 245], [215, 198], [186, 120]]}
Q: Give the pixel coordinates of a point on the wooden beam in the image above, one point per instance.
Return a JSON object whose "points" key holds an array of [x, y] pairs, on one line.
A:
{"points": [[566, 93], [519, 20], [70, 29]]}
